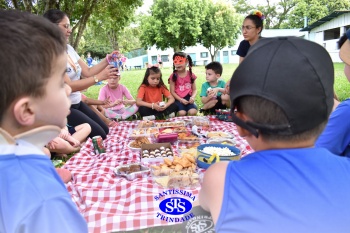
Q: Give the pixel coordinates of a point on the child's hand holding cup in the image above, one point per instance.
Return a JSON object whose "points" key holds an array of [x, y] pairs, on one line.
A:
{"points": [[161, 104]]}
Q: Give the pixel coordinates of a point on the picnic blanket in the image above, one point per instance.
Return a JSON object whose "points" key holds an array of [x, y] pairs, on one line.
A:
{"points": [[110, 203]]}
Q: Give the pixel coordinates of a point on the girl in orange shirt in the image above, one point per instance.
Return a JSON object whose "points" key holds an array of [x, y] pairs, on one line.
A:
{"points": [[151, 93]]}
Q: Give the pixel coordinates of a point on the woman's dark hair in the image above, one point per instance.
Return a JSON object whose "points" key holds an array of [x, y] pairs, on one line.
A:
{"points": [[190, 64], [153, 70], [54, 15], [258, 22]]}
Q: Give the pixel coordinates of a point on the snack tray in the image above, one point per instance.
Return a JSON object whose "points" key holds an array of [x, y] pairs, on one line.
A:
{"points": [[145, 124], [144, 171], [156, 158], [170, 124], [217, 140], [219, 134], [143, 132], [200, 121], [182, 179]]}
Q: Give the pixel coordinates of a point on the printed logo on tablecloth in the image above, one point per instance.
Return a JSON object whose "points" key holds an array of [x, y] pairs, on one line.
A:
{"points": [[175, 205]]}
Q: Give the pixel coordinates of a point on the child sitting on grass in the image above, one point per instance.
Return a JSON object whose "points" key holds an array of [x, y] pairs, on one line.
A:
{"points": [[98, 107], [150, 95], [183, 85], [213, 88], [119, 108]]}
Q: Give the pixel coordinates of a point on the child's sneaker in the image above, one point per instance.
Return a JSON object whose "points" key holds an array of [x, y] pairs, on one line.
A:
{"points": [[134, 117], [172, 115]]}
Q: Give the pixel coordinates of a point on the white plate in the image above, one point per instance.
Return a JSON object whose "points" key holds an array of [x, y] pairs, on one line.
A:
{"points": [[133, 148]]}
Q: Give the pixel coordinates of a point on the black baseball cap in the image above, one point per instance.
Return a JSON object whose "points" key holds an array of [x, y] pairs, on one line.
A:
{"points": [[294, 73]]}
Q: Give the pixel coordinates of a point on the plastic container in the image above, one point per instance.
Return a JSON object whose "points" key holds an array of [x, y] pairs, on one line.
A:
{"points": [[201, 121], [182, 145], [170, 137], [225, 141], [146, 124], [181, 179], [219, 134], [177, 129], [153, 153], [170, 124], [143, 132], [132, 171]]}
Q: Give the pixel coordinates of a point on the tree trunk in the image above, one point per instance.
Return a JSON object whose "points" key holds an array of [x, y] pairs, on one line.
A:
{"points": [[27, 5], [15, 4], [81, 25]]}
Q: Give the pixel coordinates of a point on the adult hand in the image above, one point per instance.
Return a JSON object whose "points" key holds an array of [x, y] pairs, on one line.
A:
{"points": [[109, 72], [227, 87], [113, 56]]}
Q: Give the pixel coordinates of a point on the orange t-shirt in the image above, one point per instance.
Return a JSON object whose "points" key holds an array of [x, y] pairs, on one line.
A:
{"points": [[152, 94]]}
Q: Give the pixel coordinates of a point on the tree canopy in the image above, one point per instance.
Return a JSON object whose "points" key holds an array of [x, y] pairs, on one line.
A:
{"points": [[106, 18], [220, 27], [173, 24], [178, 24], [291, 13]]}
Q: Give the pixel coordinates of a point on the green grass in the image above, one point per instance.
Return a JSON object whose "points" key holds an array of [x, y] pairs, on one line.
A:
{"points": [[133, 78]]}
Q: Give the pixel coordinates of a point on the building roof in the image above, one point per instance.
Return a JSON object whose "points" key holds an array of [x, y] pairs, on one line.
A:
{"points": [[326, 19]]}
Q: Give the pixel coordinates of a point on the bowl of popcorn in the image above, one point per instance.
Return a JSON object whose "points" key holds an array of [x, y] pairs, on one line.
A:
{"points": [[208, 154]]}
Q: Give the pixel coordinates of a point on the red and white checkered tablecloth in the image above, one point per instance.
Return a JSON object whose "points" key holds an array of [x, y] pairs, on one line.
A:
{"points": [[110, 203]]}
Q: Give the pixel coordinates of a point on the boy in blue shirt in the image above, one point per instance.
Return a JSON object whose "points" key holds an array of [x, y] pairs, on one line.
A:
{"points": [[281, 98], [33, 108], [336, 136]]}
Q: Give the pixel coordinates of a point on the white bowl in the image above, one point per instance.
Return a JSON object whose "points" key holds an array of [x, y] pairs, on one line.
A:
{"points": [[133, 148]]}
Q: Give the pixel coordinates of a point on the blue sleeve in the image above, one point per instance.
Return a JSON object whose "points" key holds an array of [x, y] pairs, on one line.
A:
{"points": [[55, 215], [204, 89], [336, 135], [243, 48]]}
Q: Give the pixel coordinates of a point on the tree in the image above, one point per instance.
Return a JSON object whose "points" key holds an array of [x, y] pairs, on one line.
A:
{"points": [[313, 10], [173, 24], [291, 13], [275, 13], [113, 15], [220, 28]]}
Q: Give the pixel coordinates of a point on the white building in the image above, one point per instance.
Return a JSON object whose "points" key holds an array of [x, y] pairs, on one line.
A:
{"points": [[328, 30], [325, 31]]}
